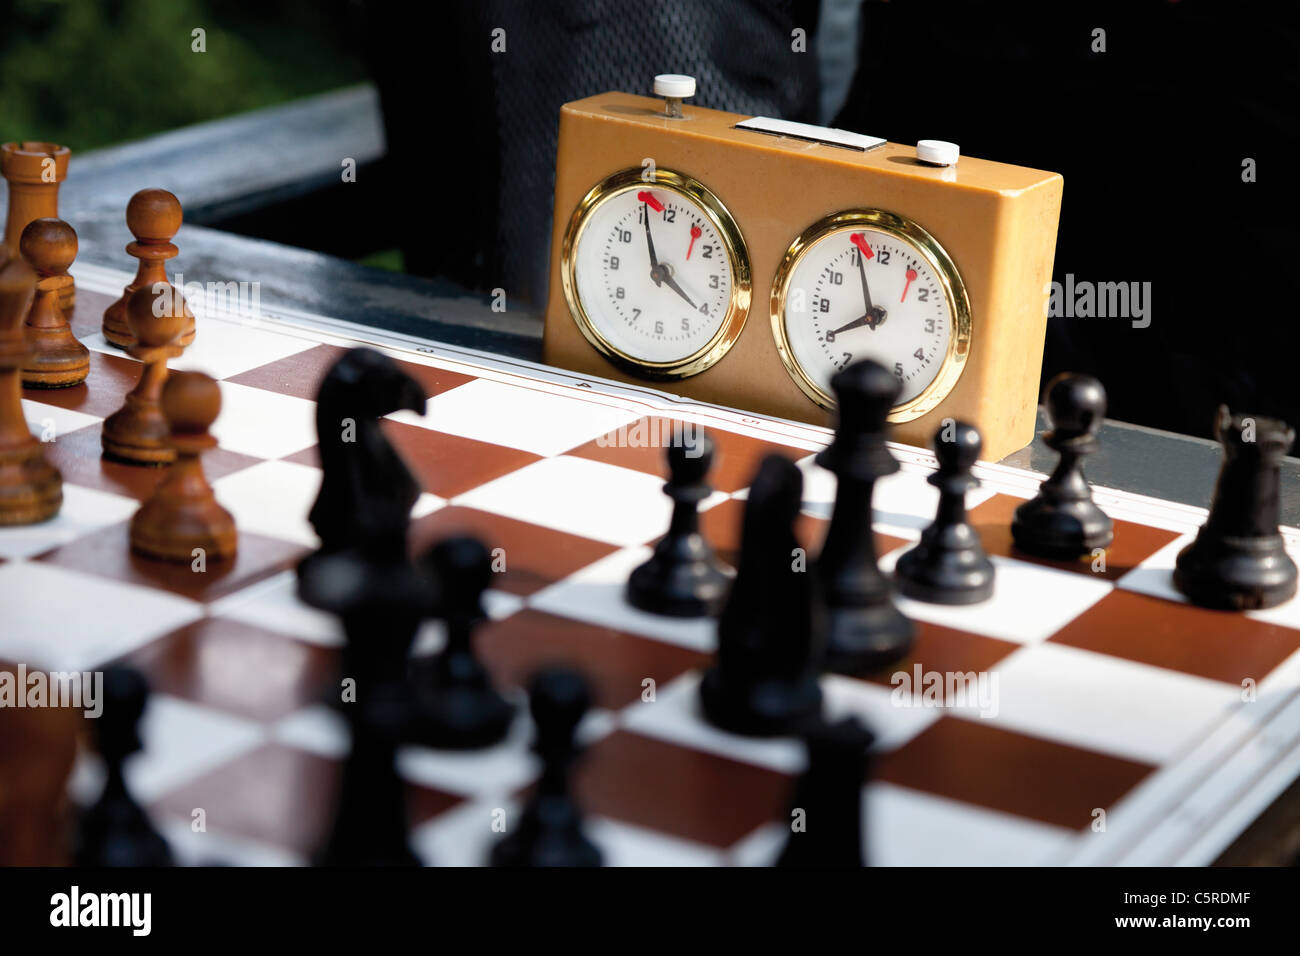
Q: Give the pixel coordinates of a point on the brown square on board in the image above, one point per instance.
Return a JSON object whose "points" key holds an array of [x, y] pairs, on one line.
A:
{"points": [[435, 380], [735, 458], [78, 456], [1219, 645], [281, 796], [721, 526], [1133, 543], [444, 465], [87, 316], [103, 391], [298, 375], [973, 762], [534, 556], [614, 662], [678, 790], [947, 651], [107, 554], [237, 667]]}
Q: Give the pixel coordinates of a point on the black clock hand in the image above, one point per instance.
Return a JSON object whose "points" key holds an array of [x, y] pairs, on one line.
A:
{"points": [[650, 244], [855, 324], [862, 271], [672, 284]]}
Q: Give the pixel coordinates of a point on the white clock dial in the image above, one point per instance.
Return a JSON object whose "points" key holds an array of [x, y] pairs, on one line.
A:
{"points": [[654, 273], [869, 286]]}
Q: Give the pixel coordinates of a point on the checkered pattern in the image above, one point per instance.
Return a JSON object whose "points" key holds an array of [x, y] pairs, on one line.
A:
{"points": [[1117, 703]]}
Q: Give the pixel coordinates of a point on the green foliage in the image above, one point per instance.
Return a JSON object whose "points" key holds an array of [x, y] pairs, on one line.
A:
{"points": [[390, 260], [88, 73]]}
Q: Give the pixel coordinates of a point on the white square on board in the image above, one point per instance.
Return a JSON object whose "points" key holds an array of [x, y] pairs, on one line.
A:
{"points": [[517, 417]]}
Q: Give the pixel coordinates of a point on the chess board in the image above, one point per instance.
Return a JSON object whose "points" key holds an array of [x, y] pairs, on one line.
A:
{"points": [[1126, 727]]}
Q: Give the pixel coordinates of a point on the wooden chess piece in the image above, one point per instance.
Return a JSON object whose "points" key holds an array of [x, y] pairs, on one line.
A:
{"points": [[1238, 561], [116, 829], [948, 565], [56, 359], [34, 171], [182, 517], [456, 705], [682, 578], [37, 748], [763, 682], [551, 830], [1062, 522], [154, 217], [829, 794], [137, 433], [31, 489], [866, 629]]}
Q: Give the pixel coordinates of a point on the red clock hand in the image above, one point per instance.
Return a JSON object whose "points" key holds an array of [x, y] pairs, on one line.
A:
{"points": [[648, 198], [911, 274], [859, 240], [695, 234]]}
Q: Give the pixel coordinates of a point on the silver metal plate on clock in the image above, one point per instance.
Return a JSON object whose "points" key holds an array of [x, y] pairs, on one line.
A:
{"points": [[815, 134]]}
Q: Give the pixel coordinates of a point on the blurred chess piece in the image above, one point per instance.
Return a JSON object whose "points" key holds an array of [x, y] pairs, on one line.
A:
{"points": [[116, 830], [550, 831], [154, 217], [37, 749], [866, 629], [828, 796], [763, 682], [31, 488], [456, 704], [34, 171], [56, 359]]}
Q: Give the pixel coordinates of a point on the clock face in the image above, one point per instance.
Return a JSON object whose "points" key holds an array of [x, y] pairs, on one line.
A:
{"points": [[658, 274], [870, 285]]}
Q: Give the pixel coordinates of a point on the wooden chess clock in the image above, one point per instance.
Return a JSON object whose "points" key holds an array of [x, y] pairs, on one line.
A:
{"points": [[743, 261]]}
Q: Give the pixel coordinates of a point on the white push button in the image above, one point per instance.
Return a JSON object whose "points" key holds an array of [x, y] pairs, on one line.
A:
{"points": [[674, 85], [937, 151]]}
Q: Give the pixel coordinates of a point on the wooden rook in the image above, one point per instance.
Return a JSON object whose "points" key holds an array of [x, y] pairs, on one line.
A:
{"points": [[154, 217], [31, 489], [34, 171], [182, 516], [1238, 561], [55, 359], [137, 433]]}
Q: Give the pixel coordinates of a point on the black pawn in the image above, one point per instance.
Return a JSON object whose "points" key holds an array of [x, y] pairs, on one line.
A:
{"points": [[826, 813], [456, 705], [1062, 521], [769, 635], [1238, 561], [866, 630], [550, 830], [116, 831], [682, 578], [948, 564]]}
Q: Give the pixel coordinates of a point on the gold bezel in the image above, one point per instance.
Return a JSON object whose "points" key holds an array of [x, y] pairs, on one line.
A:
{"points": [[928, 248], [737, 258]]}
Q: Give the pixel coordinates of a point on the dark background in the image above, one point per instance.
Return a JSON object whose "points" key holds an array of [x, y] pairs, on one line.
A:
{"points": [[1150, 134]]}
